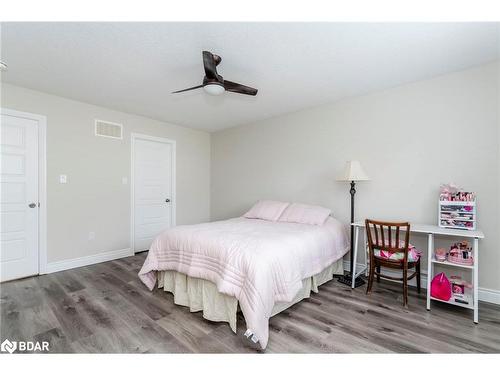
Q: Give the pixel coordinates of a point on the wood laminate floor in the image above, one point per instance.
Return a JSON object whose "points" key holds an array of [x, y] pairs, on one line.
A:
{"points": [[104, 308]]}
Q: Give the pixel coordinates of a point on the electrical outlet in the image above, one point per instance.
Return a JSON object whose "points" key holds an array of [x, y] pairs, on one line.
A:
{"points": [[91, 236], [63, 179]]}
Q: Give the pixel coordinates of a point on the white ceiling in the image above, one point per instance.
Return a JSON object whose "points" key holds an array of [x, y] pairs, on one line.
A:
{"points": [[133, 67]]}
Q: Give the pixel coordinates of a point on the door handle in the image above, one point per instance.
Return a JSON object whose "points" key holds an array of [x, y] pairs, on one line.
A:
{"points": [[167, 200], [32, 205]]}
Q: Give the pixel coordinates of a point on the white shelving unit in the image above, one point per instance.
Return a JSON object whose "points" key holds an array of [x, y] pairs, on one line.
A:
{"points": [[432, 231], [458, 214]]}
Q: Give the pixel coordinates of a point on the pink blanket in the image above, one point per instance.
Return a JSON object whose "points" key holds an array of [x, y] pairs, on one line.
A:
{"points": [[257, 261]]}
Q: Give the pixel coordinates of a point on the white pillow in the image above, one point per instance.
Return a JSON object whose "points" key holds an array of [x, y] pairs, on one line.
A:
{"points": [[305, 214], [266, 210]]}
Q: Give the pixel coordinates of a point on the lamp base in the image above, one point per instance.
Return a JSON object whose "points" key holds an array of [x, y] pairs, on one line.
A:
{"points": [[347, 280]]}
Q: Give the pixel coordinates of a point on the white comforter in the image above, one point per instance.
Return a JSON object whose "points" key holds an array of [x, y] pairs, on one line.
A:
{"points": [[257, 261]]}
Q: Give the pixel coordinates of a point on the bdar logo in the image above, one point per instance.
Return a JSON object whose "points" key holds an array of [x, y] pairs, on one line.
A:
{"points": [[8, 346], [24, 346]]}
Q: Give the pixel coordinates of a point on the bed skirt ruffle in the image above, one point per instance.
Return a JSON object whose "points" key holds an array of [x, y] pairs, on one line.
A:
{"points": [[202, 295]]}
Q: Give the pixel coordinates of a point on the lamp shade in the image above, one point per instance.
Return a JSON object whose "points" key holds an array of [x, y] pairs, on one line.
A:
{"points": [[354, 172]]}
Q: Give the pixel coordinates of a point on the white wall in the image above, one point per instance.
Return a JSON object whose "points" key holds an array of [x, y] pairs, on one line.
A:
{"points": [[409, 139], [397, 134], [94, 199]]}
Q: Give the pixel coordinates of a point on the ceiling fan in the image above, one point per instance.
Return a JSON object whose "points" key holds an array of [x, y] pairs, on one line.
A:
{"points": [[213, 83]]}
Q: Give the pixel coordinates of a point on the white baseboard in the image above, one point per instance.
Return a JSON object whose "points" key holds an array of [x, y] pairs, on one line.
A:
{"points": [[485, 295], [489, 295], [63, 265]]}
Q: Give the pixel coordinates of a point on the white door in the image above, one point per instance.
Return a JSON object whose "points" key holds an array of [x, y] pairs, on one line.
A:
{"points": [[19, 197], [153, 196]]}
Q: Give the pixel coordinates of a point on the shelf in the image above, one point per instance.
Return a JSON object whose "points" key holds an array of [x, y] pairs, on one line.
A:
{"points": [[446, 263], [452, 302], [457, 219], [456, 203], [458, 212]]}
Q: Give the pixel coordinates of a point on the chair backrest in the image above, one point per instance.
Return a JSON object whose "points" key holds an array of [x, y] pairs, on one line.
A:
{"points": [[385, 236]]}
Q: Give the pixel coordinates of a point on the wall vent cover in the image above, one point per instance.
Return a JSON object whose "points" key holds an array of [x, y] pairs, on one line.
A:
{"points": [[108, 129]]}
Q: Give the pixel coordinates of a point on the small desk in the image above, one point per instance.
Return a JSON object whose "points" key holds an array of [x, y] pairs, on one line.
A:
{"points": [[431, 231]]}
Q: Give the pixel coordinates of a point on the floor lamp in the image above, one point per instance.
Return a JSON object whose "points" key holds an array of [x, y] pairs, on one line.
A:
{"points": [[353, 173]]}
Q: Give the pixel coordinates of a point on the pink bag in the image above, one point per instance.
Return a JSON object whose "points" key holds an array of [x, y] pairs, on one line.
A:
{"points": [[441, 287]]}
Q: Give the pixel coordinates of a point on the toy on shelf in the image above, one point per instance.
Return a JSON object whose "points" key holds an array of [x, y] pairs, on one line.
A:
{"points": [[461, 253], [441, 287], [460, 290], [452, 193], [440, 254], [457, 208]]}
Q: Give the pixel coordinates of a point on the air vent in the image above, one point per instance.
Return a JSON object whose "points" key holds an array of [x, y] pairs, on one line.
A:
{"points": [[108, 129]]}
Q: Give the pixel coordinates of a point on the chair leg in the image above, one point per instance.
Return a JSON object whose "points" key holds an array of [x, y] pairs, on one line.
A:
{"points": [[418, 277], [370, 277], [405, 286], [378, 273]]}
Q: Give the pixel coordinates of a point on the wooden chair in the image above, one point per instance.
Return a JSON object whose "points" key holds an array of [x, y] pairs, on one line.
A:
{"points": [[385, 236]]}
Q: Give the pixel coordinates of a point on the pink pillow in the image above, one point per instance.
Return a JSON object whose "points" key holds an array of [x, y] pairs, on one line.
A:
{"points": [[266, 210], [305, 214]]}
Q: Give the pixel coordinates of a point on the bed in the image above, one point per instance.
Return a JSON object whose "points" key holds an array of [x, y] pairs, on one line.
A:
{"points": [[262, 266]]}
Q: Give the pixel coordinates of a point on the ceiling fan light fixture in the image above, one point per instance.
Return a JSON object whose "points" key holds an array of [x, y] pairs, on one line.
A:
{"points": [[214, 89], [213, 83]]}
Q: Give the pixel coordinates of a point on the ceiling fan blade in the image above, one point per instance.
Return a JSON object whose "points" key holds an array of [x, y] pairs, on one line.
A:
{"points": [[191, 88], [240, 89], [210, 65]]}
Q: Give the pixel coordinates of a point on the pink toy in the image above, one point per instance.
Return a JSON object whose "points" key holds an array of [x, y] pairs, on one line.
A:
{"points": [[441, 287], [458, 285], [461, 253], [451, 192], [440, 254]]}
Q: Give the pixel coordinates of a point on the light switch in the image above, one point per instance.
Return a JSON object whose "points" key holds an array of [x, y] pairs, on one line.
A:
{"points": [[63, 179], [124, 180]]}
